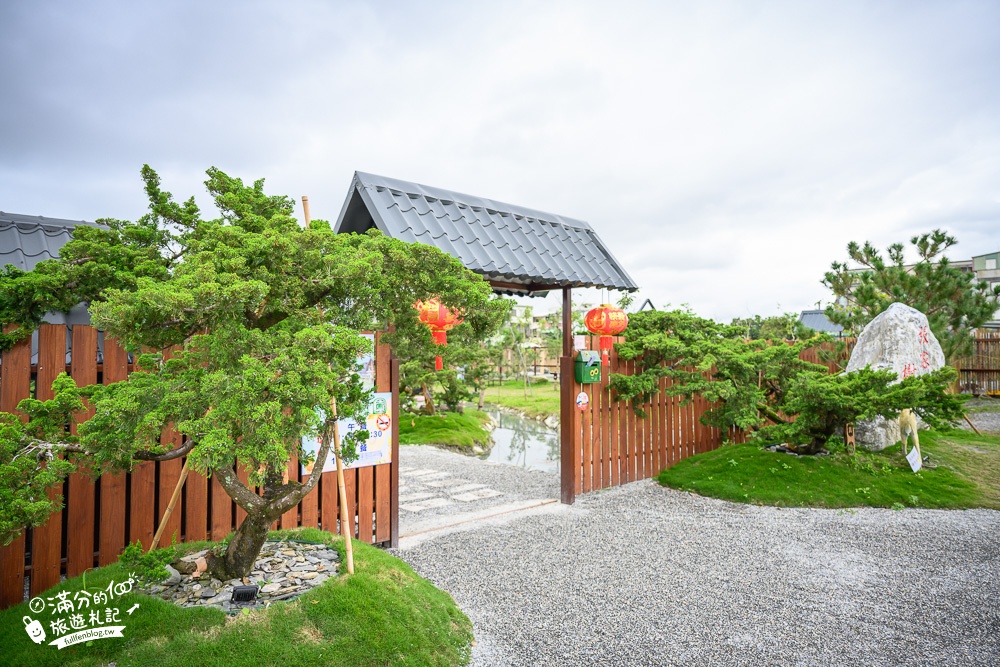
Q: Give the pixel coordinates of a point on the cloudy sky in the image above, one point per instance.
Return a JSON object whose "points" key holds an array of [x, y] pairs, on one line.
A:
{"points": [[726, 152]]}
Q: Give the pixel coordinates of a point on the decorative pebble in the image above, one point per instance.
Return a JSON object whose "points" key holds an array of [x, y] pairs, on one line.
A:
{"points": [[284, 570]]}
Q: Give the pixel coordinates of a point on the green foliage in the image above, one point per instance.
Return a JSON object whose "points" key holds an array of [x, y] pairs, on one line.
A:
{"points": [[467, 364], [952, 299], [463, 431], [149, 567], [775, 327], [822, 404], [266, 316], [872, 479], [745, 380], [763, 386], [32, 457], [383, 614], [543, 401]]}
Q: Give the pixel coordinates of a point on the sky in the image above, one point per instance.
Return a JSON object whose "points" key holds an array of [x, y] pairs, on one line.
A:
{"points": [[725, 152]]}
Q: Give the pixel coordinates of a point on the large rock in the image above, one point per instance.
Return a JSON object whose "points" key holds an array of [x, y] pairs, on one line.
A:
{"points": [[900, 340]]}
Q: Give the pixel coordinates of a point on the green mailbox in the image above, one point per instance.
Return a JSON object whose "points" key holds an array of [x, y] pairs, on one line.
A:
{"points": [[587, 366]]}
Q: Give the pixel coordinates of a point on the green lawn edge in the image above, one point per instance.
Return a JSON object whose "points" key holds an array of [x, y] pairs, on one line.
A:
{"points": [[967, 475], [383, 614], [463, 431], [542, 400]]}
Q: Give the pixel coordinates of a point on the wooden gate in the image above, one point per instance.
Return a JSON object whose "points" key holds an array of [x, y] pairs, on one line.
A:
{"points": [[101, 516], [607, 444]]}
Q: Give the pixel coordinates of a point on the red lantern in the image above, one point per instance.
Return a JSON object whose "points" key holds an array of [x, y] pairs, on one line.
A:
{"points": [[608, 321], [439, 319]]}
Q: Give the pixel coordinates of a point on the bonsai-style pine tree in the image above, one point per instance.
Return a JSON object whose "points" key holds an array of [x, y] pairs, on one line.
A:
{"points": [[953, 300], [266, 318]]}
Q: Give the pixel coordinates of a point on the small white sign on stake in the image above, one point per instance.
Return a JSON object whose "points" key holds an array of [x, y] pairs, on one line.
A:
{"points": [[579, 342], [914, 459]]}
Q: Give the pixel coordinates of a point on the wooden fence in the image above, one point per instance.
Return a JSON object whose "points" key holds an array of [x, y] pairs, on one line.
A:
{"points": [[979, 373], [608, 444], [101, 516]]}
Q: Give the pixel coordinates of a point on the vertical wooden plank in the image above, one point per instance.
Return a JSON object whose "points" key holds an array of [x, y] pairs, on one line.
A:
{"points": [[351, 488], [328, 509], [222, 511], [290, 519], [569, 453], [196, 507], [80, 492], [383, 488], [394, 469], [383, 364], [598, 404], [244, 476], [15, 386], [113, 500], [310, 506], [170, 474], [606, 427], [366, 510], [141, 503], [613, 428], [627, 432], [46, 556], [587, 455]]}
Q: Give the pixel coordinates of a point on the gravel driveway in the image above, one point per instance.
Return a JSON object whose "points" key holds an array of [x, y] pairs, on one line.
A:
{"points": [[642, 575]]}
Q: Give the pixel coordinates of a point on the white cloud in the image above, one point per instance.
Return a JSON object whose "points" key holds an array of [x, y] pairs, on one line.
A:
{"points": [[726, 152]]}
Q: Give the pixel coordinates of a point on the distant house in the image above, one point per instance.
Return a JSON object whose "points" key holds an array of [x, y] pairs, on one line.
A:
{"points": [[818, 321]]}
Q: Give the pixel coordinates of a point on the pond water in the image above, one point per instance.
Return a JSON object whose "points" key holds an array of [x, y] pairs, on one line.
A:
{"points": [[523, 442]]}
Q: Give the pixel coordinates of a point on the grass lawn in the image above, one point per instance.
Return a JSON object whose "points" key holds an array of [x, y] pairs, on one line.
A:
{"points": [[461, 431], [967, 475], [542, 399], [384, 614]]}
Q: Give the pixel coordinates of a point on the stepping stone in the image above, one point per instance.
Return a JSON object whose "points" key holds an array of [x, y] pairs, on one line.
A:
{"points": [[421, 473], [467, 487], [413, 497], [476, 495], [435, 475], [425, 505], [442, 483]]}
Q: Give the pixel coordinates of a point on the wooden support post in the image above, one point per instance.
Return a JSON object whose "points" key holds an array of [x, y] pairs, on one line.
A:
{"points": [[344, 529], [170, 507]]}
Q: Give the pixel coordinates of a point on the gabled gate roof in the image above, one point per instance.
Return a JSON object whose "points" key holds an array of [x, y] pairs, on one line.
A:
{"points": [[520, 250]]}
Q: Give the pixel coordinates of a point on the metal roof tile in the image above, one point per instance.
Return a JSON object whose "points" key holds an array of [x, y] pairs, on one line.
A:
{"points": [[495, 239]]}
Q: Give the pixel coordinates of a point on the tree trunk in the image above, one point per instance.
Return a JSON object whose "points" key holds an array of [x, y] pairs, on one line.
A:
{"points": [[243, 549], [428, 400]]}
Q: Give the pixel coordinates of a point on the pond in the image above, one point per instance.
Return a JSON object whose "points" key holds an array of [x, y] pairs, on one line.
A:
{"points": [[523, 442]]}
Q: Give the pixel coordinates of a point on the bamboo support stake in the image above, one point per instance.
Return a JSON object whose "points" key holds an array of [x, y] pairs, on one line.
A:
{"points": [[969, 422], [170, 507], [343, 493], [342, 488]]}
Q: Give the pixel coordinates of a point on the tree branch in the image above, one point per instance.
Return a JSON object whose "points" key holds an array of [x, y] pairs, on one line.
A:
{"points": [[237, 490], [184, 449]]}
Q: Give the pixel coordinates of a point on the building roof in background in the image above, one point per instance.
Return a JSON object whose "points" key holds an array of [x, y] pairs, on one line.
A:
{"points": [[520, 250], [26, 240], [817, 321]]}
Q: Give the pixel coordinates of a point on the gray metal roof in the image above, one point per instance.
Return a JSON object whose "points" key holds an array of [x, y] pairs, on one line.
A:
{"points": [[26, 240], [817, 321], [520, 250]]}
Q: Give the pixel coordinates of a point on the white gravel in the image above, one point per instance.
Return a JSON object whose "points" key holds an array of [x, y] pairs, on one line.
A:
{"points": [[642, 575]]}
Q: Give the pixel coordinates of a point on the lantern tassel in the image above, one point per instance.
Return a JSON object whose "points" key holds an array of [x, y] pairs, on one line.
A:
{"points": [[606, 343], [438, 363]]}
